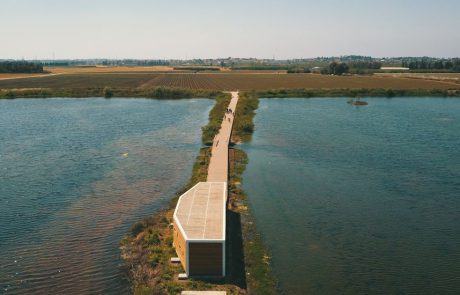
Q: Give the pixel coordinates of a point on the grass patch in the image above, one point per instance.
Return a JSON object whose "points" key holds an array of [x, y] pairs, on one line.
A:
{"points": [[159, 92], [216, 116], [243, 126]]}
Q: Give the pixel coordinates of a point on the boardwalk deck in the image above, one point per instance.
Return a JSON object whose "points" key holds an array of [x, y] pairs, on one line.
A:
{"points": [[218, 166]]}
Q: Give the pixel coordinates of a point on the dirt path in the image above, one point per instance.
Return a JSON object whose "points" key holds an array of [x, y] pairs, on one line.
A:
{"points": [[14, 77], [218, 166]]}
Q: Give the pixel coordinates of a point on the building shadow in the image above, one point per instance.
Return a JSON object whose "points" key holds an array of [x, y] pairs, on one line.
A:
{"points": [[235, 268]]}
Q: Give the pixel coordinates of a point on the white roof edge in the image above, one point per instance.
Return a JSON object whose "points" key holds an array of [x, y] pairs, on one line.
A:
{"points": [[175, 212], [206, 240], [224, 225]]}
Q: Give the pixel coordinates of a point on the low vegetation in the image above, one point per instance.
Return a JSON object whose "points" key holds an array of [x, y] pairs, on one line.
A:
{"points": [[108, 92], [243, 126], [353, 92], [197, 69], [215, 118]]}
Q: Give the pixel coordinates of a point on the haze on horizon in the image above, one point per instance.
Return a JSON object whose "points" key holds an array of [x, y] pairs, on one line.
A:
{"points": [[45, 29]]}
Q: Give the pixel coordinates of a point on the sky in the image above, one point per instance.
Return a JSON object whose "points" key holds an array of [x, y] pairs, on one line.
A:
{"points": [[181, 29]]}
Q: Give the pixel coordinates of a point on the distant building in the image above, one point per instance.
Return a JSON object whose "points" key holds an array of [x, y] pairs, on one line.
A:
{"points": [[316, 70], [394, 69]]}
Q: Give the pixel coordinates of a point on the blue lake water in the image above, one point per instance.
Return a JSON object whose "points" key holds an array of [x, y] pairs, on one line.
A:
{"points": [[358, 200], [75, 174]]}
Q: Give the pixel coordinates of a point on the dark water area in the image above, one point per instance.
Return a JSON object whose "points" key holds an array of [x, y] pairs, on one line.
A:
{"points": [[75, 174], [358, 200]]}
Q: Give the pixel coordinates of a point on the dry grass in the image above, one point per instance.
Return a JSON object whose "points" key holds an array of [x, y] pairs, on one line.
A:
{"points": [[442, 77], [225, 81], [7, 76]]}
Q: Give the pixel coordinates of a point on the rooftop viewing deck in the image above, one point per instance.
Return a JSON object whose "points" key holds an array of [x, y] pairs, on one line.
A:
{"points": [[200, 212]]}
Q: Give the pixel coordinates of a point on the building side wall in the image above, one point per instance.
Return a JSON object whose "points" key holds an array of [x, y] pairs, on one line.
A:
{"points": [[205, 259], [180, 245]]}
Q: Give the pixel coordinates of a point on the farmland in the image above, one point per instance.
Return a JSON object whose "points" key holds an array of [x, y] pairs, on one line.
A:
{"points": [[8, 76], [222, 81], [107, 69], [443, 77]]}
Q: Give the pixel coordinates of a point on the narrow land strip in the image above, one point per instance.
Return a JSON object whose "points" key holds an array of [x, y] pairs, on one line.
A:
{"points": [[218, 166]]}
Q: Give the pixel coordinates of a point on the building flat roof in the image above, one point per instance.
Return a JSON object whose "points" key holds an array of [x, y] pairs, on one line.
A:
{"points": [[200, 212]]}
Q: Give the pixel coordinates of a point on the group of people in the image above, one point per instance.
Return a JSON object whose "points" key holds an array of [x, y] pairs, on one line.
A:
{"points": [[230, 112]]}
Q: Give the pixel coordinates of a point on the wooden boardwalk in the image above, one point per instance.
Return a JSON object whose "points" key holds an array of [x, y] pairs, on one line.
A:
{"points": [[218, 166]]}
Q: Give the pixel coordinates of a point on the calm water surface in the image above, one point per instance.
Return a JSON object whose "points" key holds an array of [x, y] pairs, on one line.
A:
{"points": [[75, 174], [359, 200]]}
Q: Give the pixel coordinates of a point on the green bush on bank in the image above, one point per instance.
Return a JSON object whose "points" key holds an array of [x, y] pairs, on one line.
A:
{"points": [[216, 116], [243, 126], [108, 92]]}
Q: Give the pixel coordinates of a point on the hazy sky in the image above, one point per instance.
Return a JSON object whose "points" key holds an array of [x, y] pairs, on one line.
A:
{"points": [[201, 28]]}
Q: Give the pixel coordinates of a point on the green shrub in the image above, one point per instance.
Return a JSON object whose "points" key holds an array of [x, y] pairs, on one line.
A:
{"points": [[108, 92], [173, 288], [152, 237], [154, 259], [137, 228]]}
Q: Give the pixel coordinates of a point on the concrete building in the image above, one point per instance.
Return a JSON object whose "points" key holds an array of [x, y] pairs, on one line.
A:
{"points": [[199, 229]]}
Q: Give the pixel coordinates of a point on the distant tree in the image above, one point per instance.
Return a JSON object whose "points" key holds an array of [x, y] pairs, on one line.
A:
{"points": [[336, 68], [20, 67], [295, 70], [108, 92], [365, 65]]}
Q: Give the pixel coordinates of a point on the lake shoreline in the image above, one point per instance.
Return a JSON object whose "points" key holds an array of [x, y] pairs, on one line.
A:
{"points": [[181, 93]]}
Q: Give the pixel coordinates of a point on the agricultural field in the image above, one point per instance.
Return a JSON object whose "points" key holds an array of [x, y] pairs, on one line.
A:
{"points": [[107, 69], [8, 76], [444, 77], [223, 81]]}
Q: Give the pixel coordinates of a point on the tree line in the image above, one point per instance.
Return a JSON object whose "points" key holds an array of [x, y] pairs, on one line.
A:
{"points": [[20, 67], [433, 64]]}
